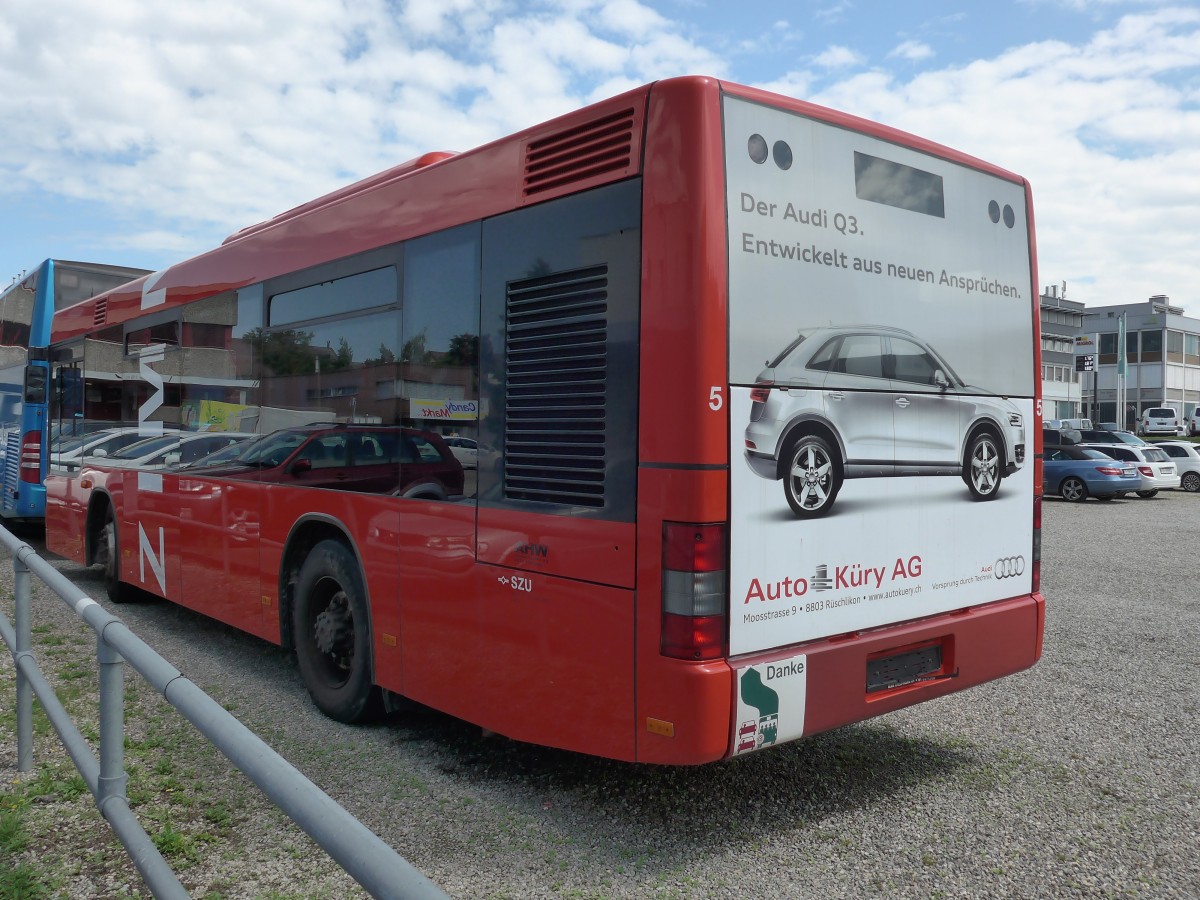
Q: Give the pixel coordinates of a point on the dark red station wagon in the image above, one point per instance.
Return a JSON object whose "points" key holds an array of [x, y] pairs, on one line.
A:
{"points": [[375, 459]]}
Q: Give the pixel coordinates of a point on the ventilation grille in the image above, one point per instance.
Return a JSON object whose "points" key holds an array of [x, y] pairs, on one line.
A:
{"points": [[12, 470], [579, 154], [100, 316], [554, 401]]}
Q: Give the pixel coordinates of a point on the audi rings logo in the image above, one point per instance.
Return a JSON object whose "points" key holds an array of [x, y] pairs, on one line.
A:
{"points": [[1009, 566]]}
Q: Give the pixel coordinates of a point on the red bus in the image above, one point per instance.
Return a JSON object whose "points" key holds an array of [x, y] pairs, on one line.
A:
{"points": [[707, 413]]}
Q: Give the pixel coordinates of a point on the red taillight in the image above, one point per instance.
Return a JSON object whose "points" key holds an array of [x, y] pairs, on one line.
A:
{"points": [[760, 393], [31, 457], [1146, 470], [1108, 470], [694, 594]]}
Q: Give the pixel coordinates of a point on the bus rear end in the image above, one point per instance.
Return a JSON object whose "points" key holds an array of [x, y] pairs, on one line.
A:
{"points": [[839, 505]]}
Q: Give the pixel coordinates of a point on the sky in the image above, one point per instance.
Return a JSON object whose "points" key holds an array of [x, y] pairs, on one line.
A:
{"points": [[141, 133]]}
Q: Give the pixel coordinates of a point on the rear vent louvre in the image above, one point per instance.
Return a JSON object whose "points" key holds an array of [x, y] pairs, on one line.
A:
{"points": [[555, 398], [579, 154], [100, 316]]}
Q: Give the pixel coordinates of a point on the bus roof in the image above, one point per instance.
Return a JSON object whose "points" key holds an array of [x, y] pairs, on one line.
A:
{"points": [[596, 145]]}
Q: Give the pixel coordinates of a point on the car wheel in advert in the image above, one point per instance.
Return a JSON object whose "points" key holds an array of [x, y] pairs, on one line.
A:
{"points": [[983, 466], [811, 477]]}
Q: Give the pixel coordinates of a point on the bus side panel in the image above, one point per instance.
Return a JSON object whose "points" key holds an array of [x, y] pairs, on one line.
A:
{"points": [[533, 657], [220, 572], [66, 516], [435, 578], [684, 393], [683, 708], [147, 512], [586, 549]]}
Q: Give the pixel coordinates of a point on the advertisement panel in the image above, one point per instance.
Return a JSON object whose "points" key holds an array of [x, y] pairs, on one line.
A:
{"points": [[881, 381]]}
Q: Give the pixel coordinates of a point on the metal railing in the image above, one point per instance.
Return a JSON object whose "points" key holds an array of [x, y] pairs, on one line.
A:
{"points": [[357, 849]]}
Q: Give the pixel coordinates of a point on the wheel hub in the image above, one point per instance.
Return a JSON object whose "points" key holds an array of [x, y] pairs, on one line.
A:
{"points": [[333, 630]]}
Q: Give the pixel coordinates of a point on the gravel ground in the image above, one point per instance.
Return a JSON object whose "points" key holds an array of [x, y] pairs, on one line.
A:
{"points": [[1078, 778]]}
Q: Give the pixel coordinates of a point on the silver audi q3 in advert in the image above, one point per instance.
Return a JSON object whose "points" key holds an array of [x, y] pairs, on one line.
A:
{"points": [[869, 401]]}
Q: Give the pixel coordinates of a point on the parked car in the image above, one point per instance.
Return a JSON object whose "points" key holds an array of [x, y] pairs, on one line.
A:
{"points": [[1061, 436], [1187, 461], [71, 453], [1077, 424], [855, 378], [1103, 436], [1157, 470], [1076, 473], [1193, 424], [1159, 420], [224, 455], [377, 459], [66, 429], [465, 450], [169, 449]]}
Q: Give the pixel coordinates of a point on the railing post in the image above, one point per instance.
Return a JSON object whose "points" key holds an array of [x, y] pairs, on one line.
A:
{"points": [[112, 723], [24, 646]]}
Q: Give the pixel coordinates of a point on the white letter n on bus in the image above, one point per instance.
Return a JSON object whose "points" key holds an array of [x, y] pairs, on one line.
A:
{"points": [[145, 551]]}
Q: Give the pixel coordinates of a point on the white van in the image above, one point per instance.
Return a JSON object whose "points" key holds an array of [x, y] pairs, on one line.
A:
{"points": [[1159, 420]]}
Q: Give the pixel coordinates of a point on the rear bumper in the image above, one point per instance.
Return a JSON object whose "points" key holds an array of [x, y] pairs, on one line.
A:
{"points": [[976, 645]]}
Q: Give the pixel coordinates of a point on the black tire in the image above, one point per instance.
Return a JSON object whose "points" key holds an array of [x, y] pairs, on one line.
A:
{"points": [[1073, 490], [108, 555], [1146, 495], [984, 466], [331, 625], [812, 476], [1191, 482]]}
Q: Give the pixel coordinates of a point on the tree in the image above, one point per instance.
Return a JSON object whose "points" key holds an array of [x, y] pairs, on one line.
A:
{"points": [[464, 350], [287, 352]]}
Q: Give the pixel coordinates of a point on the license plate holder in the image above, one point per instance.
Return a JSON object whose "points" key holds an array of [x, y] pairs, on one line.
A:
{"points": [[903, 668]]}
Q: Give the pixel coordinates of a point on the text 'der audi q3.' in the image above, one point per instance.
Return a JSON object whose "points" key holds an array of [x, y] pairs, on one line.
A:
{"points": [[868, 401]]}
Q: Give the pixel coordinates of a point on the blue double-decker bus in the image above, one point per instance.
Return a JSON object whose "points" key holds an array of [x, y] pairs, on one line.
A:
{"points": [[27, 309]]}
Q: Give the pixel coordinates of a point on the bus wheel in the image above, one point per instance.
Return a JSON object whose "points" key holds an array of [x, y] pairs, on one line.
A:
{"points": [[811, 479], [109, 556], [333, 639], [983, 467]]}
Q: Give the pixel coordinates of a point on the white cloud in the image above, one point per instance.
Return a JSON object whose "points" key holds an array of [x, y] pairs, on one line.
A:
{"points": [[198, 117], [1107, 133], [912, 50], [836, 57], [218, 113]]}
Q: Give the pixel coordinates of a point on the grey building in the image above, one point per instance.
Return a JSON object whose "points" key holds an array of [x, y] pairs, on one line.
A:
{"points": [[1162, 360], [1062, 322]]}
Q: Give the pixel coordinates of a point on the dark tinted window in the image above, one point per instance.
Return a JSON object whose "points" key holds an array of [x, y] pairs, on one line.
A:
{"points": [[895, 184], [340, 295]]}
